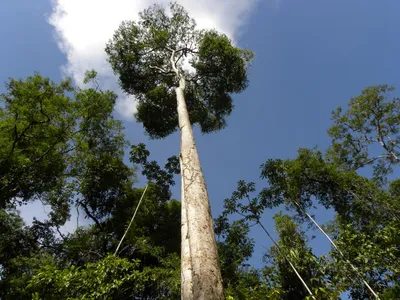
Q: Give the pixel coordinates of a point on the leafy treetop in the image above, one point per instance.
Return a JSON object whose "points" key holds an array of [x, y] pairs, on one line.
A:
{"points": [[148, 54], [368, 132]]}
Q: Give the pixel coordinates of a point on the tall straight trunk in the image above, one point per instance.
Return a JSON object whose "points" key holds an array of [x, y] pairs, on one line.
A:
{"points": [[201, 276], [186, 259]]}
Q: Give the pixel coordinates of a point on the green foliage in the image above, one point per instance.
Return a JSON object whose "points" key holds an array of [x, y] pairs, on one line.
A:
{"points": [[154, 234], [250, 285], [366, 228], [35, 124], [150, 268], [59, 141], [73, 132], [20, 255], [109, 278], [280, 282], [374, 252], [145, 53], [310, 178], [157, 224], [367, 217], [78, 266], [368, 132], [293, 244], [235, 247], [164, 179]]}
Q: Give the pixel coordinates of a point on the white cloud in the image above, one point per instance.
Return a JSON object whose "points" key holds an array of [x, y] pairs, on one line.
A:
{"points": [[125, 106], [83, 27]]}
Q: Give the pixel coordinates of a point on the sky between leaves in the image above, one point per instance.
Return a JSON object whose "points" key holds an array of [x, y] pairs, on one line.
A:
{"points": [[311, 56]]}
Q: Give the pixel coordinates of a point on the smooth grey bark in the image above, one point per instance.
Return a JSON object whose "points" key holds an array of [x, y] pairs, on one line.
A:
{"points": [[200, 271]]}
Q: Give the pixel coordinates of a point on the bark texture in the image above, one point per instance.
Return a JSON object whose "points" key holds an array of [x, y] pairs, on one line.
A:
{"points": [[201, 276], [186, 259]]}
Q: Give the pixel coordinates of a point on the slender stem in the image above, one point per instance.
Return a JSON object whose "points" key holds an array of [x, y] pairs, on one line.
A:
{"points": [[89, 214], [130, 223], [287, 259], [337, 249]]}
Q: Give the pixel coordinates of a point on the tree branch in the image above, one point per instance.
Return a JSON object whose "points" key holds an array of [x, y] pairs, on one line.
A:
{"points": [[381, 140], [187, 49], [163, 71], [90, 215]]}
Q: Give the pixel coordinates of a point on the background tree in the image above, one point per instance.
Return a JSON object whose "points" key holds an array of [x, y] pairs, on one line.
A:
{"points": [[151, 58], [37, 120], [52, 137], [77, 265], [365, 212], [366, 209], [292, 270], [19, 252], [293, 243], [368, 132], [235, 247], [164, 178], [93, 176]]}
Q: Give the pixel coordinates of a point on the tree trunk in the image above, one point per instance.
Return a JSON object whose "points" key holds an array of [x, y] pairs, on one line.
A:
{"points": [[201, 276], [186, 259]]}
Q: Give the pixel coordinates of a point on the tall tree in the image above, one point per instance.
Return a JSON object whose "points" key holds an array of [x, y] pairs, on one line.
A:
{"points": [[182, 76]]}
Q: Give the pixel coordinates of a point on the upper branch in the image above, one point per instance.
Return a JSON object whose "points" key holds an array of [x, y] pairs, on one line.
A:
{"points": [[161, 70]]}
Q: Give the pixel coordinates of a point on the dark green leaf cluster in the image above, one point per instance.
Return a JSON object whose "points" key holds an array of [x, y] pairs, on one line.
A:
{"points": [[77, 265], [68, 134], [36, 121], [164, 179], [58, 142], [108, 278], [235, 247], [144, 54], [293, 246]]}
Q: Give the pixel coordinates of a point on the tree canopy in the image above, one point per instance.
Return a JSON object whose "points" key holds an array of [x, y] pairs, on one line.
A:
{"points": [[144, 54], [62, 146]]}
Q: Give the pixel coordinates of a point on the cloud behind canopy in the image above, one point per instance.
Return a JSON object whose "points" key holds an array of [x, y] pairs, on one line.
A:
{"points": [[83, 27]]}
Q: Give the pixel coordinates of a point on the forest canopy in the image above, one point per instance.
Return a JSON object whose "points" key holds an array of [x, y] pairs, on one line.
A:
{"points": [[62, 147]]}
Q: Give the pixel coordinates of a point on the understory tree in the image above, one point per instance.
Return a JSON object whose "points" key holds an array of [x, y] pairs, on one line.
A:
{"points": [[62, 146]]}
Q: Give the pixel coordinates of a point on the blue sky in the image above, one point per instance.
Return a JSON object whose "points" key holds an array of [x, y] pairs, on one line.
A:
{"points": [[311, 56]]}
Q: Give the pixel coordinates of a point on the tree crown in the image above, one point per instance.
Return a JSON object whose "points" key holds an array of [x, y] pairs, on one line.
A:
{"points": [[152, 55]]}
